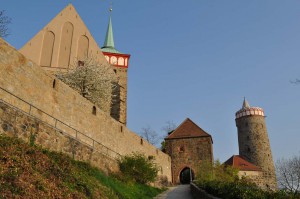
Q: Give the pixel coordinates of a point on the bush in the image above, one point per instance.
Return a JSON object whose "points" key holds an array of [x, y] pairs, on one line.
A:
{"points": [[242, 189], [138, 168], [207, 171]]}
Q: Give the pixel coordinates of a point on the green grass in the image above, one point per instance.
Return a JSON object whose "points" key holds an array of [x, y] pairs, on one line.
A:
{"points": [[27, 171]]}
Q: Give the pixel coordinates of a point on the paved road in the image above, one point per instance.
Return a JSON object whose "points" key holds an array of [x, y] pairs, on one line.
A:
{"points": [[179, 192]]}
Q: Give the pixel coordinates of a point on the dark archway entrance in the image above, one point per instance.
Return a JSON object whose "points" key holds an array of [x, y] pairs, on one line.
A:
{"points": [[186, 175]]}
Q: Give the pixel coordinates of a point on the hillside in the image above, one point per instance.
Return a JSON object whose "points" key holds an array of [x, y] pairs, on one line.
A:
{"points": [[32, 172]]}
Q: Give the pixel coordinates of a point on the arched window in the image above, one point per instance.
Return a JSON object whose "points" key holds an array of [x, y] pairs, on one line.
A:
{"points": [[47, 49], [65, 45], [83, 47], [121, 61]]}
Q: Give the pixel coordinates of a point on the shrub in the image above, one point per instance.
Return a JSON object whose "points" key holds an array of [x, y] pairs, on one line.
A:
{"points": [[208, 171], [136, 167]]}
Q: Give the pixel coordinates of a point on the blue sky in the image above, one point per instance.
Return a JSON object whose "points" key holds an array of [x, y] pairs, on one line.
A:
{"points": [[196, 59]]}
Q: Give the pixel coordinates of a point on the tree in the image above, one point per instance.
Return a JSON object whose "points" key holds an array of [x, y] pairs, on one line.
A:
{"points": [[136, 167], [288, 173], [4, 21], [150, 135], [169, 127], [94, 81]]}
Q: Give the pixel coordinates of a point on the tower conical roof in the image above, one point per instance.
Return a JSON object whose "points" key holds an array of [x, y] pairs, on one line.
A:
{"points": [[245, 103], [109, 44], [247, 110]]}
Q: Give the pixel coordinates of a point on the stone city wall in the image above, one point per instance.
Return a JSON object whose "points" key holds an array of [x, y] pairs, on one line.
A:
{"points": [[25, 79], [16, 123]]}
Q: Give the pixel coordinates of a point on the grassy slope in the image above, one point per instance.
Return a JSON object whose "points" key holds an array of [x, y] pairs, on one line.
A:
{"points": [[32, 172]]}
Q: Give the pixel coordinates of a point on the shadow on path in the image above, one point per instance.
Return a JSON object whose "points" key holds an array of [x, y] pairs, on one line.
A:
{"points": [[178, 192]]}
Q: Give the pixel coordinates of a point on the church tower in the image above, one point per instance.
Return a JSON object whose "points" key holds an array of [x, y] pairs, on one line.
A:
{"points": [[120, 62], [254, 145]]}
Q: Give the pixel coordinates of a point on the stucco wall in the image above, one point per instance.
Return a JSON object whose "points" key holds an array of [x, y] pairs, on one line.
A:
{"points": [[28, 81], [67, 29]]}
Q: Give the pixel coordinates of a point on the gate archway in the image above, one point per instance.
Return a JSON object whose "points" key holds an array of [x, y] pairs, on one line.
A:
{"points": [[186, 175]]}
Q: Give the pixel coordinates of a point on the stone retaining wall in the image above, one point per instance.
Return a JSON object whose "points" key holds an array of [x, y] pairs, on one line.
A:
{"points": [[25, 79]]}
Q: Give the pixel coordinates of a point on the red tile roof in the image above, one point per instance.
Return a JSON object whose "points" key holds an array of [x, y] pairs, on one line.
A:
{"points": [[188, 129], [238, 162]]}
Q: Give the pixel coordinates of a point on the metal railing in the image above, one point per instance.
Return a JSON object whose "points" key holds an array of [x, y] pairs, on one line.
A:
{"points": [[92, 143]]}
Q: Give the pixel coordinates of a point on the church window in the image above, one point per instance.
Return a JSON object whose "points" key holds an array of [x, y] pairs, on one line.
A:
{"points": [[47, 49], [113, 60], [121, 61], [65, 45], [106, 57], [82, 47]]}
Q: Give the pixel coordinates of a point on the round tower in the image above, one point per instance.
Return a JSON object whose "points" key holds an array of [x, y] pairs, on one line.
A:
{"points": [[254, 143]]}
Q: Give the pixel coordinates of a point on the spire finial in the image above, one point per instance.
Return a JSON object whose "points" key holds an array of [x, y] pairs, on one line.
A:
{"points": [[109, 38], [110, 7], [245, 103]]}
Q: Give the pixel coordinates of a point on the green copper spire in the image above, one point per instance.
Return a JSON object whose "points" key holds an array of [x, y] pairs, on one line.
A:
{"points": [[109, 44], [109, 39]]}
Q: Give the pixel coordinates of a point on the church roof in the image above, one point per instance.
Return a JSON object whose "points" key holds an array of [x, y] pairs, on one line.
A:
{"points": [[188, 129], [109, 44], [238, 162]]}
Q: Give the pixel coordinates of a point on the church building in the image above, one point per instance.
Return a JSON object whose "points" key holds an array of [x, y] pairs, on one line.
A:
{"points": [[66, 39]]}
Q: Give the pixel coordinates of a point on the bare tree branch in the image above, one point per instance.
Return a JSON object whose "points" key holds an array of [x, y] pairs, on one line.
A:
{"points": [[150, 135], [169, 127], [288, 173]]}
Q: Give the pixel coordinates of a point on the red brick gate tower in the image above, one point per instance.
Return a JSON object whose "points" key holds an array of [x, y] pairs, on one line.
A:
{"points": [[188, 145]]}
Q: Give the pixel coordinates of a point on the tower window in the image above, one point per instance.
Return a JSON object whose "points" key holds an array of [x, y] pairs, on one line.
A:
{"points": [[181, 149]]}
